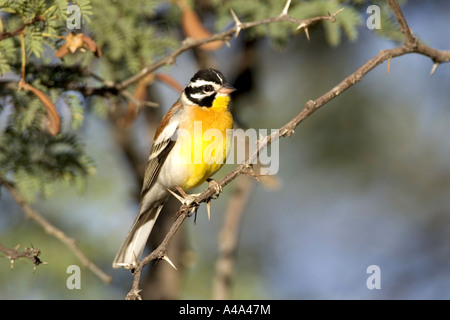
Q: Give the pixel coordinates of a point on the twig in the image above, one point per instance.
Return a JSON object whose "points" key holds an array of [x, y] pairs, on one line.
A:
{"points": [[57, 233], [137, 102], [28, 253], [310, 107], [406, 30], [19, 30]]}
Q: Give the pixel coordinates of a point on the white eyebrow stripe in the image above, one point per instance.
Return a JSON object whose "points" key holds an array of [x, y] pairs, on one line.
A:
{"points": [[218, 75], [200, 82]]}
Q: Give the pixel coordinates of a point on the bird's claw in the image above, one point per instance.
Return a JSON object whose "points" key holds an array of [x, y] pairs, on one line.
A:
{"points": [[216, 186]]}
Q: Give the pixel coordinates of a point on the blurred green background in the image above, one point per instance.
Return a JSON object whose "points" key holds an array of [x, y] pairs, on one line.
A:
{"points": [[364, 181]]}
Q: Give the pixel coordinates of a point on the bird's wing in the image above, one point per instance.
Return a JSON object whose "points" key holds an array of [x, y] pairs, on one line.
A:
{"points": [[165, 139]]}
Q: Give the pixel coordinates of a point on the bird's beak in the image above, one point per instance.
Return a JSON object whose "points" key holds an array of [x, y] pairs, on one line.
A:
{"points": [[226, 89]]}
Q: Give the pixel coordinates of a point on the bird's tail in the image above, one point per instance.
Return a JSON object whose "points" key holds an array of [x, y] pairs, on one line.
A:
{"points": [[134, 244]]}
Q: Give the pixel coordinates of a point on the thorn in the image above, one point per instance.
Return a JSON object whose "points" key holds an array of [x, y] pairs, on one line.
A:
{"points": [[249, 170], [181, 199], [237, 22], [227, 43], [195, 217], [433, 68], [286, 8], [208, 208], [307, 34], [301, 25], [170, 262], [305, 26], [336, 13], [333, 15], [388, 65]]}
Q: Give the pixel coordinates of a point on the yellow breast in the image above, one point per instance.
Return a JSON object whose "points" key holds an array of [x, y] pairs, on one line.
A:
{"points": [[206, 140]]}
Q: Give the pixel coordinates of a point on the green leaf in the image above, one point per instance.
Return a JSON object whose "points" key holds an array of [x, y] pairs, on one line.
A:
{"points": [[7, 55], [76, 108], [33, 41], [85, 8]]}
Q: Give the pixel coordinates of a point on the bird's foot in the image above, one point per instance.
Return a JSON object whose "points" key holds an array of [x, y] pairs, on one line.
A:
{"points": [[187, 200], [216, 186]]}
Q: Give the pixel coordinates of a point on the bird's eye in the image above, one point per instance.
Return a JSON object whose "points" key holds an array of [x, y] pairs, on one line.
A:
{"points": [[208, 88]]}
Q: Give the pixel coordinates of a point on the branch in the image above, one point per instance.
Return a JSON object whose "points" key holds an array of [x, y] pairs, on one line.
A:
{"points": [[29, 253], [54, 231], [410, 46], [19, 30], [225, 36], [158, 254], [406, 30], [412, 43]]}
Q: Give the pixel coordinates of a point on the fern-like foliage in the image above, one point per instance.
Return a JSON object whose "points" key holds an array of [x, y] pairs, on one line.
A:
{"points": [[29, 156], [129, 38], [35, 160]]}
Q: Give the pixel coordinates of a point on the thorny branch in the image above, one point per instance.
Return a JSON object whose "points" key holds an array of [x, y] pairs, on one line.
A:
{"points": [[225, 36], [28, 253], [410, 45]]}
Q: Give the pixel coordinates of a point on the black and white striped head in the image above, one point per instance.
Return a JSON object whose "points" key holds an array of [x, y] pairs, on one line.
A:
{"points": [[204, 86]]}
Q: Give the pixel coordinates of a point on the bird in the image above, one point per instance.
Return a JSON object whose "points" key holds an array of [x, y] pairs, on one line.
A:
{"points": [[174, 162]]}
